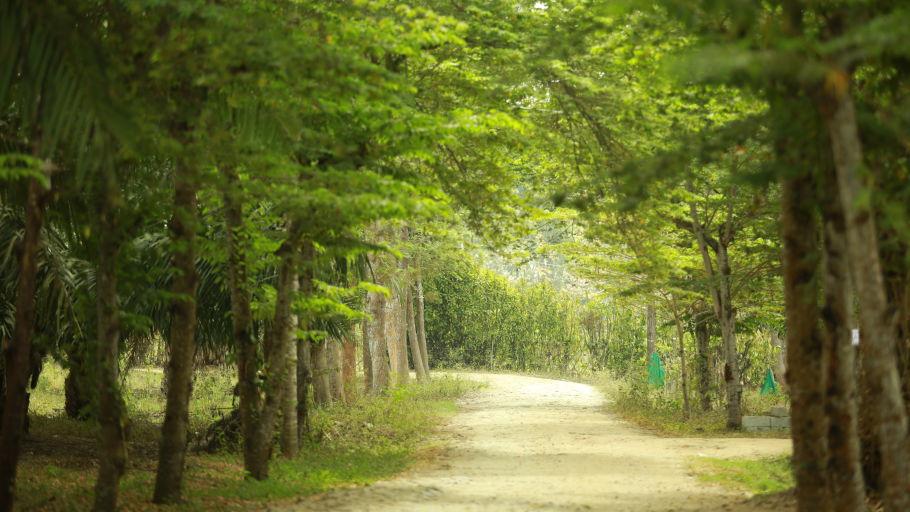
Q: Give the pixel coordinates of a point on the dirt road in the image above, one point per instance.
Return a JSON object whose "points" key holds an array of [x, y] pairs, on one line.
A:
{"points": [[529, 444]]}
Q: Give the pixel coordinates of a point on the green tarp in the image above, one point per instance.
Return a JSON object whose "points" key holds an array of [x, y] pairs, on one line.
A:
{"points": [[656, 371], [770, 386]]}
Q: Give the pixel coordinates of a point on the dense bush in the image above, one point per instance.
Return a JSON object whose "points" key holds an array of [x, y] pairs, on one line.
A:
{"points": [[478, 319]]}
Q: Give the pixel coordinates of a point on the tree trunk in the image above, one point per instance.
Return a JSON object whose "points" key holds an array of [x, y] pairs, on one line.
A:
{"points": [[336, 382], [304, 382], [804, 346], [255, 456], [683, 374], [182, 339], [721, 299], [111, 410], [367, 359], [304, 349], [845, 472], [878, 346], [348, 366], [17, 352], [780, 359], [289, 433], [652, 332], [277, 343], [421, 328], [396, 337], [375, 341], [702, 341], [416, 356], [322, 391], [77, 387]]}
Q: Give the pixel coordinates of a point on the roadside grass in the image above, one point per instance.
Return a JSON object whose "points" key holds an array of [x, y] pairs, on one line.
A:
{"points": [[661, 411], [758, 476], [350, 444]]}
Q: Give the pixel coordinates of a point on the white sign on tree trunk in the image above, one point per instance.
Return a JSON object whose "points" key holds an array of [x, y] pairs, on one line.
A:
{"points": [[854, 337]]}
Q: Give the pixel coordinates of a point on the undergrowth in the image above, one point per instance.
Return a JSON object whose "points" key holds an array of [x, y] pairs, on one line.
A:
{"points": [[356, 443], [660, 410]]}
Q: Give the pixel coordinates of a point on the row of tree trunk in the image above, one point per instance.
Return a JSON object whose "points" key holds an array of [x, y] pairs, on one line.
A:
{"points": [[849, 416]]}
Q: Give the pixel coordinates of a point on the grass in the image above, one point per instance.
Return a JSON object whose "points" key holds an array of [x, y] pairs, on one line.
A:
{"points": [[758, 476], [661, 412], [352, 444]]}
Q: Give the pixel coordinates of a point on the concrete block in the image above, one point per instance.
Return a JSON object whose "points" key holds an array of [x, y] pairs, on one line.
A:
{"points": [[756, 423], [780, 412], [780, 423]]}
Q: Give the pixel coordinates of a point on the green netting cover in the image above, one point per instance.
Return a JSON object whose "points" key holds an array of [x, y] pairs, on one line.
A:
{"points": [[656, 371], [770, 386]]}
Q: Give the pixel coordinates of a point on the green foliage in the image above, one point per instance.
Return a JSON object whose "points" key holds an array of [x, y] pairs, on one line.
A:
{"points": [[478, 319]]}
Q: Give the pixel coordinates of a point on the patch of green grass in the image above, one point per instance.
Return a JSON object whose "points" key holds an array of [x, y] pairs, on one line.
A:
{"points": [[759, 476], [352, 444]]}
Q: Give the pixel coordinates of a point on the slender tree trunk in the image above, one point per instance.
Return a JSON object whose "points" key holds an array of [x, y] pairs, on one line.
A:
{"points": [[289, 438], [182, 339], [879, 356], [421, 328], [336, 382], [702, 340], [652, 332], [396, 337], [348, 366], [17, 352], [416, 356], [719, 288], [322, 391], [304, 349], [683, 374], [255, 456], [366, 328], [732, 373], [845, 472], [374, 337], [304, 383], [278, 339], [804, 346], [111, 411], [780, 359]]}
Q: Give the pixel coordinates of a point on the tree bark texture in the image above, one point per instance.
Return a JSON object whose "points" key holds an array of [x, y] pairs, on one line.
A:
{"points": [[322, 391], [416, 355], [844, 468], [289, 433], [879, 343], [396, 337], [349, 366], [181, 340], [278, 339], [374, 339], [16, 354], [304, 383], [683, 374], [804, 345], [421, 327], [336, 382], [703, 368], [111, 409], [651, 332], [255, 456]]}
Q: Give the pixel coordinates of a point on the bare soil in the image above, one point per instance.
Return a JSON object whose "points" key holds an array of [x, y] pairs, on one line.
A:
{"points": [[531, 444]]}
